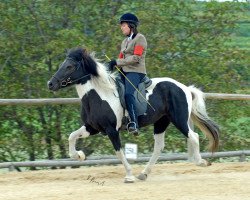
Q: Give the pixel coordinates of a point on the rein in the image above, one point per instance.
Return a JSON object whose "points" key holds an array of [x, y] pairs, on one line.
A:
{"points": [[68, 80]]}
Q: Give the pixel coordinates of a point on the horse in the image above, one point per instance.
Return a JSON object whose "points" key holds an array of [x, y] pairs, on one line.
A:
{"points": [[102, 112]]}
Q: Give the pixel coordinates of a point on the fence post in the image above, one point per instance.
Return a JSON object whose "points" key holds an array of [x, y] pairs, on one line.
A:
{"points": [[11, 168], [242, 157]]}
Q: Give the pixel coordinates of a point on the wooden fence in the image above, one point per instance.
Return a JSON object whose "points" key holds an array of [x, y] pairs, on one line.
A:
{"points": [[105, 160], [54, 101], [111, 160]]}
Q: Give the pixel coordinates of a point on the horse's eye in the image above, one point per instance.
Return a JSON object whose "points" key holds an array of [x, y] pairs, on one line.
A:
{"points": [[70, 67]]}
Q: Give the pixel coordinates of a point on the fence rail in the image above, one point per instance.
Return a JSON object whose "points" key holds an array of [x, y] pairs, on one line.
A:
{"points": [[111, 160], [105, 160], [227, 96], [53, 101]]}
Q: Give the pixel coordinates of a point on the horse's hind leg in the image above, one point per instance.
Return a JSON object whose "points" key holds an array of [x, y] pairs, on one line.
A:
{"points": [[192, 140], [180, 117], [159, 137], [194, 149], [189, 144], [158, 147]]}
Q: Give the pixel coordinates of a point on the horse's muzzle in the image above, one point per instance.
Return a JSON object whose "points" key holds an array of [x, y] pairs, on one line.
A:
{"points": [[52, 86]]}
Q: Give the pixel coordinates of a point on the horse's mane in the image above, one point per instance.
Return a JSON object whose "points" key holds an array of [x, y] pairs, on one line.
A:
{"points": [[99, 72], [79, 54]]}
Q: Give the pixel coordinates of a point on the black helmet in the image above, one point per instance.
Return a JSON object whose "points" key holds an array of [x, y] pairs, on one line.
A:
{"points": [[130, 18]]}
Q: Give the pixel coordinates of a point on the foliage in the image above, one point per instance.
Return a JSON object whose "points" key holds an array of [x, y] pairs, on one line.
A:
{"points": [[193, 42]]}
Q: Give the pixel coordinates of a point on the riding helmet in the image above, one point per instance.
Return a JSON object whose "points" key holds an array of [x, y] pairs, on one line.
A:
{"points": [[130, 18]]}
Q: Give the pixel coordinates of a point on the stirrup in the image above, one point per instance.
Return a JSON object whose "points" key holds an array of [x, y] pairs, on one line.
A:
{"points": [[132, 128]]}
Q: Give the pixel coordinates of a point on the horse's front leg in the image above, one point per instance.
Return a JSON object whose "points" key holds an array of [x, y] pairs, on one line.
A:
{"points": [[115, 139], [80, 133], [129, 178]]}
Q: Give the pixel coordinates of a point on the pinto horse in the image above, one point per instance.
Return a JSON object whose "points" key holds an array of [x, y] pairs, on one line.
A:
{"points": [[102, 110]]}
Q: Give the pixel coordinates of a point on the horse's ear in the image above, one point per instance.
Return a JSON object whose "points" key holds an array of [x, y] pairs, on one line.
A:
{"points": [[84, 51], [66, 51]]}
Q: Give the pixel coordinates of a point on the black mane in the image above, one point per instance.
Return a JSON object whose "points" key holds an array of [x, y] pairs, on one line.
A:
{"points": [[81, 55]]}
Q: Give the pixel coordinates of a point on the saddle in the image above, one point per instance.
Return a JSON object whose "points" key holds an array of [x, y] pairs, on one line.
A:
{"points": [[141, 104]]}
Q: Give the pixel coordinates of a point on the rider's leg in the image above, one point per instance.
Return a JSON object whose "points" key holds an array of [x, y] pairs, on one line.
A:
{"points": [[135, 79]]}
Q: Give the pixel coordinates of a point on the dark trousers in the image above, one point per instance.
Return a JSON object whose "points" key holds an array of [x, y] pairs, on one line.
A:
{"points": [[135, 79]]}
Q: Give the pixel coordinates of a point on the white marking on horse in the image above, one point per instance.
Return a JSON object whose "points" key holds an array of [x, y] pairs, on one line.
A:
{"points": [[185, 89], [106, 91]]}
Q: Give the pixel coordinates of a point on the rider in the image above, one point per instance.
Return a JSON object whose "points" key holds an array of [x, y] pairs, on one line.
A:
{"points": [[131, 61]]}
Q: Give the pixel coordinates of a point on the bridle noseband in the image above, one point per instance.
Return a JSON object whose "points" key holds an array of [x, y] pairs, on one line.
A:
{"points": [[67, 80]]}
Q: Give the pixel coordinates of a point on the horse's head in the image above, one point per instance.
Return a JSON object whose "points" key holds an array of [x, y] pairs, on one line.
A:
{"points": [[77, 68]]}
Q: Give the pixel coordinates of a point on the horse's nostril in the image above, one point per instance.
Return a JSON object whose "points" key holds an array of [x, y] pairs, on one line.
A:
{"points": [[50, 84]]}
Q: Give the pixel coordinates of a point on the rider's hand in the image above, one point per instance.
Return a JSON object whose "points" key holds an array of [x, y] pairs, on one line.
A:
{"points": [[111, 65]]}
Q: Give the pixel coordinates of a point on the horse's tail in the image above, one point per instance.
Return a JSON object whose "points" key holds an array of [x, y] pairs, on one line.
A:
{"points": [[201, 119]]}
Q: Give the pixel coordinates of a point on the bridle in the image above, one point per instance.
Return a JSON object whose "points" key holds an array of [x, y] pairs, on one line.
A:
{"points": [[67, 80]]}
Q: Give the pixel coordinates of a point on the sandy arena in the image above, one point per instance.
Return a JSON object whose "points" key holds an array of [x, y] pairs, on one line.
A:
{"points": [[177, 181]]}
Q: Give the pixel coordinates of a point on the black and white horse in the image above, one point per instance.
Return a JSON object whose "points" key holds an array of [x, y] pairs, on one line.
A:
{"points": [[102, 110]]}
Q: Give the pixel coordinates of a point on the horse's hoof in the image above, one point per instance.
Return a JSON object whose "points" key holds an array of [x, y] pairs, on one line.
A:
{"points": [[142, 177], [74, 156], [209, 163], [81, 156], [129, 179], [204, 163]]}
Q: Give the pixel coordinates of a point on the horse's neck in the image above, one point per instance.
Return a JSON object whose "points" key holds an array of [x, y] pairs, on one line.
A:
{"points": [[83, 89], [103, 84], [102, 88]]}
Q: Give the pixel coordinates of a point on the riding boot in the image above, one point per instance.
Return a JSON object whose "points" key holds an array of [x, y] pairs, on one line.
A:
{"points": [[132, 126]]}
